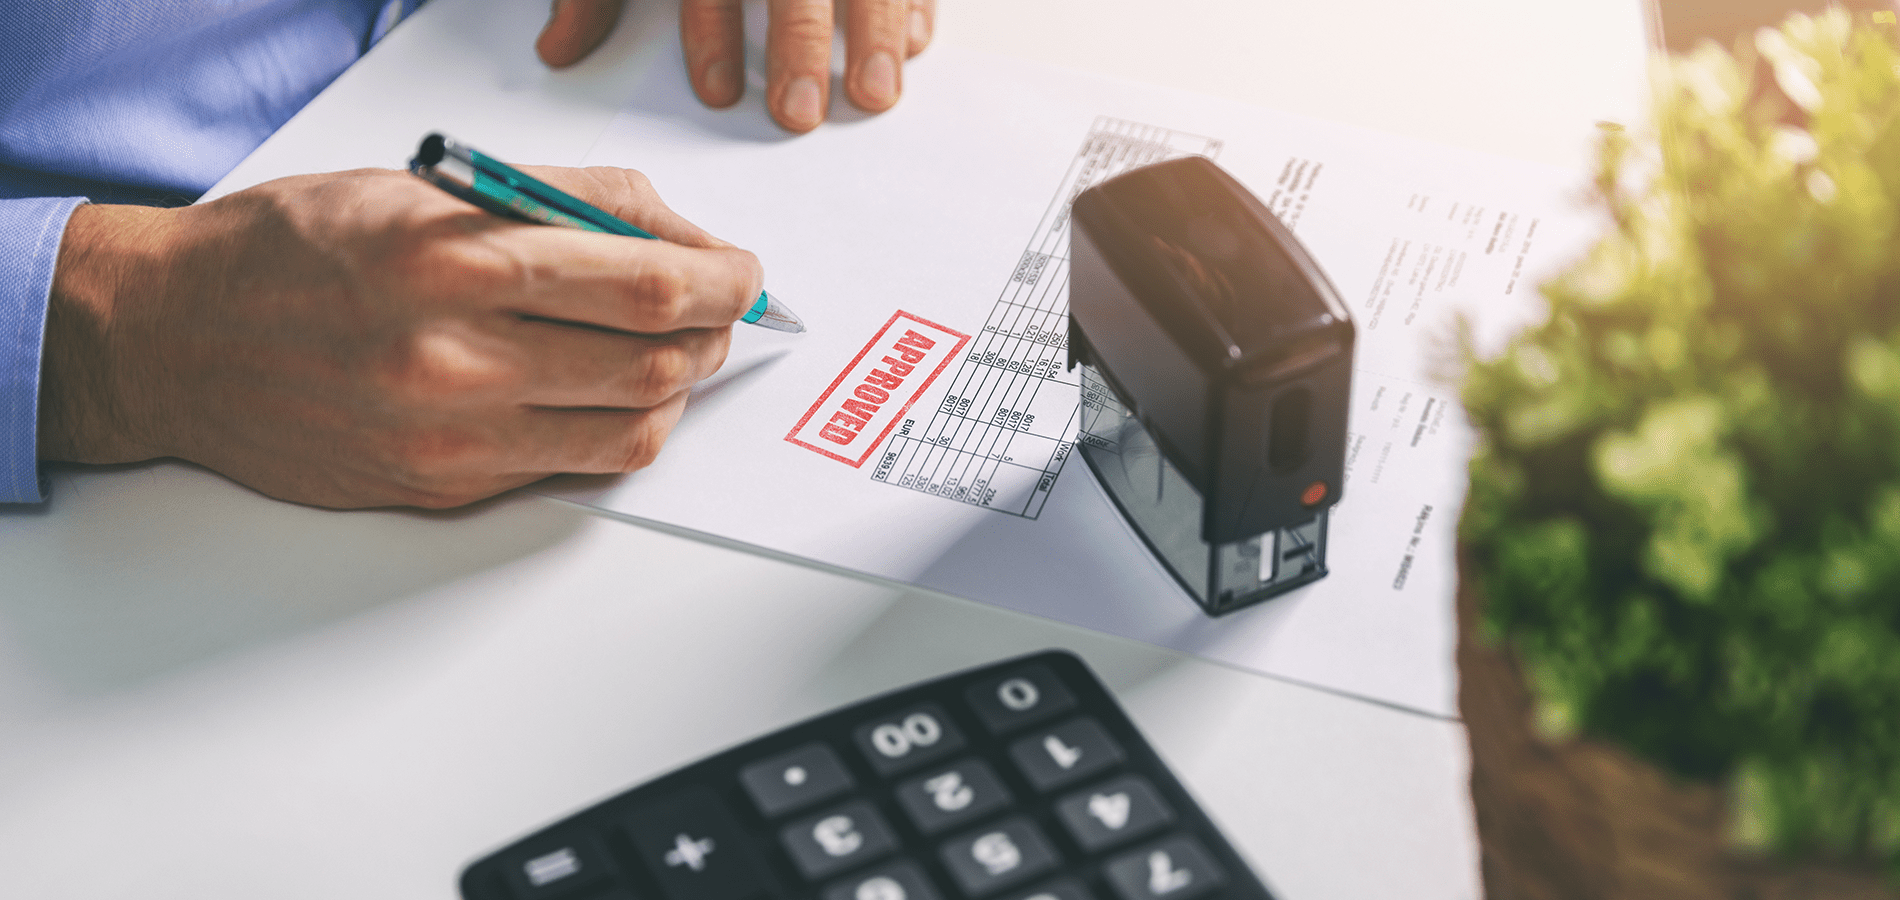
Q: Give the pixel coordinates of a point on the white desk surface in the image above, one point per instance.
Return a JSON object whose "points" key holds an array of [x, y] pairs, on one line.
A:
{"points": [[207, 694]]}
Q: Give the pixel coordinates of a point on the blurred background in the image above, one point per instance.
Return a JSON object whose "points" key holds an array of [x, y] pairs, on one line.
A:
{"points": [[1677, 25]]}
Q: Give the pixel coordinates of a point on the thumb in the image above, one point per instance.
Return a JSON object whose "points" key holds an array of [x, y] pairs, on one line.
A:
{"points": [[574, 29]]}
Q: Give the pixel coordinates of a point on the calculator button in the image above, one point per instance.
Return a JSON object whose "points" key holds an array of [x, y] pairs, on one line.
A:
{"points": [[907, 738], [944, 798], [1025, 696], [1115, 811], [1066, 889], [694, 848], [795, 780], [1174, 869], [1053, 757], [989, 859], [900, 880], [838, 839], [554, 867]]}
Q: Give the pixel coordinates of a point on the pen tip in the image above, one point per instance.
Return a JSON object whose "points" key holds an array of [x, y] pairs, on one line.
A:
{"points": [[778, 317]]}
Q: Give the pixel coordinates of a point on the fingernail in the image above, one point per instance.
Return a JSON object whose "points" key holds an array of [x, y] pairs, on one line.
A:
{"points": [[722, 81], [877, 80], [919, 28], [802, 106]]}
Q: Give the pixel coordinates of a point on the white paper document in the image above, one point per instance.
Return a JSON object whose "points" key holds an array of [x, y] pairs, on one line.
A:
{"points": [[921, 430]]}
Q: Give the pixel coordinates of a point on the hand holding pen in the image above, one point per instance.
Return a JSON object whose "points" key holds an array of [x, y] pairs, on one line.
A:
{"points": [[364, 339], [506, 191]]}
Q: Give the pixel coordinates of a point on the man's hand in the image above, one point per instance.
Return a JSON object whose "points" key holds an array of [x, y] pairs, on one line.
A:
{"points": [[363, 339], [879, 36]]}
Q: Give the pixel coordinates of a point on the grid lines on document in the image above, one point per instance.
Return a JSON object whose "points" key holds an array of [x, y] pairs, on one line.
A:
{"points": [[1006, 422]]}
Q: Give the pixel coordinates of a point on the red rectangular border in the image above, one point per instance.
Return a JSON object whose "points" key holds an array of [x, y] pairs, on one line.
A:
{"points": [[962, 339]]}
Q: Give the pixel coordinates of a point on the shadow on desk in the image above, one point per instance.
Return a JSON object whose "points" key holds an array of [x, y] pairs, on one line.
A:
{"points": [[134, 572]]}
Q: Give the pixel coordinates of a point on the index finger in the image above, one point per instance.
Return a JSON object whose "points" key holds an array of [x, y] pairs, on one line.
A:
{"points": [[625, 283], [628, 195]]}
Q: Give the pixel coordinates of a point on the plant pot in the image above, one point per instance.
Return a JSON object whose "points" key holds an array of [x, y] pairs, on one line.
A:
{"points": [[1584, 820]]}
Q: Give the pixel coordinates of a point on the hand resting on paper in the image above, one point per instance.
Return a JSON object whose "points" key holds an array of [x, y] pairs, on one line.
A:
{"points": [[364, 339], [879, 36]]}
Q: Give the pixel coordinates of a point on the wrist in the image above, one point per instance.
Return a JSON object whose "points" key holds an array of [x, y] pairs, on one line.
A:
{"points": [[111, 260]]}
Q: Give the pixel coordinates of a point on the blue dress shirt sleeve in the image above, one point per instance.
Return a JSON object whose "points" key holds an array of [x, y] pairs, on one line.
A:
{"points": [[31, 230], [136, 101]]}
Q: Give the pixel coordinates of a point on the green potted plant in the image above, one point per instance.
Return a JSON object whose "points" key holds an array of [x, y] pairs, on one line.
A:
{"points": [[1680, 611]]}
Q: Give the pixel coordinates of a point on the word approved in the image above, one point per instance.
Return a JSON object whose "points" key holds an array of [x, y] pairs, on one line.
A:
{"points": [[872, 394]]}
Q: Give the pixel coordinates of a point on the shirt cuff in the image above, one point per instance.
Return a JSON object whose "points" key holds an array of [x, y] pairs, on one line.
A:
{"points": [[30, 230]]}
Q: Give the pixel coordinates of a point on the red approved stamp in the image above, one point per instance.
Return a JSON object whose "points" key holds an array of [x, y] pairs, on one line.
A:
{"points": [[872, 394]]}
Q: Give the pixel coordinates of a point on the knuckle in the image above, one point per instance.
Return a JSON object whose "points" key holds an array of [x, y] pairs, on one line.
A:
{"points": [[884, 24], [454, 264], [637, 181], [659, 292], [667, 368], [433, 368], [804, 23], [641, 445], [608, 184]]}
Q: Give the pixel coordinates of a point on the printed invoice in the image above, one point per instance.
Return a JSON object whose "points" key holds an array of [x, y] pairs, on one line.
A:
{"points": [[919, 432]]}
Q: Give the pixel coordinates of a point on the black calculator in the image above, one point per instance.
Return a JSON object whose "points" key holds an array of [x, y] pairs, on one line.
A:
{"points": [[1020, 780]]}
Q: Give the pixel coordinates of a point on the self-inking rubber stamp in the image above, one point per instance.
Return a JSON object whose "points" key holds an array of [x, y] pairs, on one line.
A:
{"points": [[1216, 366]]}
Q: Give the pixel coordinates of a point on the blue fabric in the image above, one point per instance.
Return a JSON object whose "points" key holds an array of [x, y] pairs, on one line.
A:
{"points": [[137, 101], [31, 228]]}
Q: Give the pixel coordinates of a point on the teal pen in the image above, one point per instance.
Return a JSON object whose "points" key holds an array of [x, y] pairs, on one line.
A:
{"points": [[506, 191]]}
